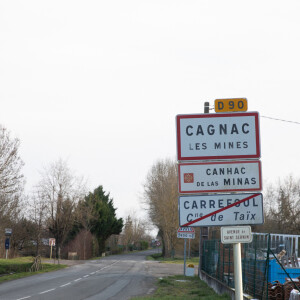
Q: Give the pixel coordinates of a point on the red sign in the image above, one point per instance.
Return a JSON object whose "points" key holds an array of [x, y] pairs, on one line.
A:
{"points": [[186, 229], [188, 177]]}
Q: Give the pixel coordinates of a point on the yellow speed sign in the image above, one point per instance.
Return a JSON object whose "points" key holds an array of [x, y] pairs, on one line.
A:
{"points": [[231, 105]]}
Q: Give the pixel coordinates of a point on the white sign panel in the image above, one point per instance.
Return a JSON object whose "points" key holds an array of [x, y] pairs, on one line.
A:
{"points": [[220, 210], [8, 231], [236, 234], [218, 136], [51, 242], [186, 233], [219, 177]]}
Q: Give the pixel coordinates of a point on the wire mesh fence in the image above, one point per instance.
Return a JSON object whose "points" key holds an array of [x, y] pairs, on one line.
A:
{"points": [[269, 269]]}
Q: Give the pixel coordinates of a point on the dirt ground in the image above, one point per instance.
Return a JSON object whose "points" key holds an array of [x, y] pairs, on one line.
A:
{"points": [[159, 269]]}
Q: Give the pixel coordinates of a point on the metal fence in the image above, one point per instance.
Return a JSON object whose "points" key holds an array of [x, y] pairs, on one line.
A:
{"points": [[261, 268]]}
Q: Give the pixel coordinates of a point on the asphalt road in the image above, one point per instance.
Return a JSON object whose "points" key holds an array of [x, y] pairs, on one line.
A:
{"points": [[115, 277]]}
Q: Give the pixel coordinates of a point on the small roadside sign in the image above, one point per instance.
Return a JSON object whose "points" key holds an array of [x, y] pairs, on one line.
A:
{"points": [[236, 234], [51, 242], [218, 136], [8, 231], [231, 105], [186, 233], [7, 243], [216, 177], [220, 210]]}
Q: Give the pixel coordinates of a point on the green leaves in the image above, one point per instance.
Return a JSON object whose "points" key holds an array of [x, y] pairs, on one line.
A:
{"points": [[103, 220]]}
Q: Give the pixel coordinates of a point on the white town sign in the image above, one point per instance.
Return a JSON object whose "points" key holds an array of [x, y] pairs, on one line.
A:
{"points": [[219, 177], [220, 210], [218, 136], [186, 233]]}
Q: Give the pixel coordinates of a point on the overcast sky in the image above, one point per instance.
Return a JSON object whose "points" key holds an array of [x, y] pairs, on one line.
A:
{"points": [[99, 83]]}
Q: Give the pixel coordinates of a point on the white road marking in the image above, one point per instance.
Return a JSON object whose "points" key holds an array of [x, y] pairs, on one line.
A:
{"points": [[107, 266], [65, 284], [77, 279], [92, 273], [46, 291]]}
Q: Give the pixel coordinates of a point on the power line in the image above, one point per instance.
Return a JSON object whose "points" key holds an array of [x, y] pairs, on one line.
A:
{"points": [[294, 122]]}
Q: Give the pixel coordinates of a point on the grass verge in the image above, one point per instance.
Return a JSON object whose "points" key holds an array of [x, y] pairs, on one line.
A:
{"points": [[183, 288], [19, 267]]}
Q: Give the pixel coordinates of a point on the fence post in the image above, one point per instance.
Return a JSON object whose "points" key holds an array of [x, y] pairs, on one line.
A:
{"points": [[229, 265]]}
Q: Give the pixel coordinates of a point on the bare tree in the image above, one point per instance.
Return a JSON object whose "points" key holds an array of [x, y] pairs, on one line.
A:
{"points": [[134, 231], [282, 207], [61, 190], [160, 194], [11, 179], [37, 214]]}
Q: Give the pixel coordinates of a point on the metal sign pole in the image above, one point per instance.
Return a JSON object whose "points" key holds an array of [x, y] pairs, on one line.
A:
{"points": [[238, 281], [184, 256], [51, 252]]}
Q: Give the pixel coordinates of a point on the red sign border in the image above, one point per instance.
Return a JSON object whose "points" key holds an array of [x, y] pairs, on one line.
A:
{"points": [[217, 115], [178, 230], [216, 163]]}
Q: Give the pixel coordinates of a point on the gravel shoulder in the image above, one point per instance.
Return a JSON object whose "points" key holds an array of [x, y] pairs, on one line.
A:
{"points": [[159, 269]]}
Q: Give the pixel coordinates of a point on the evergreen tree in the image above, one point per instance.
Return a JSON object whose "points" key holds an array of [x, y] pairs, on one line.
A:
{"points": [[104, 222]]}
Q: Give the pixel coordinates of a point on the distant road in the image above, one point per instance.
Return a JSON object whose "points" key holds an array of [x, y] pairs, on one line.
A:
{"points": [[114, 277]]}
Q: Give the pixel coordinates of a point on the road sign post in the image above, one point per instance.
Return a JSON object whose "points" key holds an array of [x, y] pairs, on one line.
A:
{"points": [[184, 233], [230, 140], [7, 242], [238, 279], [51, 244], [184, 265]]}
